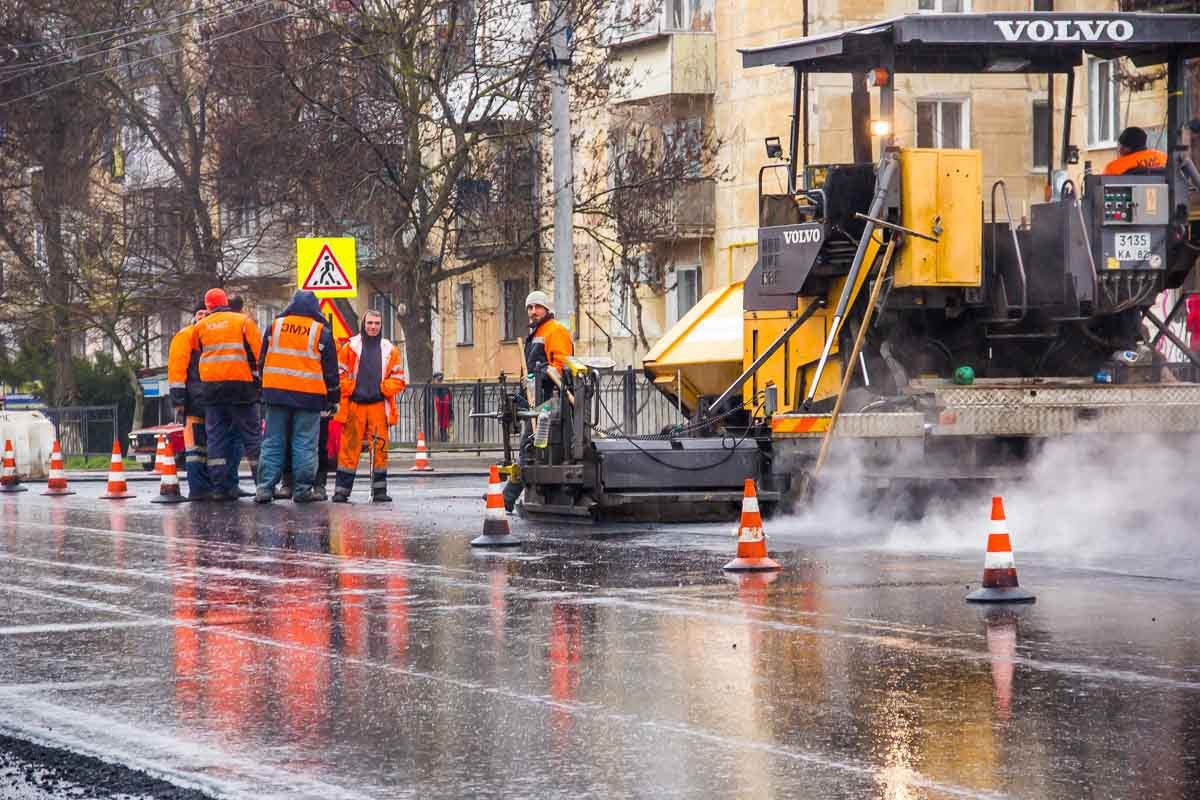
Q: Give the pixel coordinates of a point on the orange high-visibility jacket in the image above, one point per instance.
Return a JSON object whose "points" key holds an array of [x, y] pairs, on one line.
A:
{"points": [[393, 382], [183, 373], [1142, 159], [295, 352], [549, 344], [228, 343]]}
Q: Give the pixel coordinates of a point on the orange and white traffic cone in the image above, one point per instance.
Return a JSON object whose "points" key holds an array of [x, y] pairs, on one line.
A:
{"points": [[752, 541], [495, 522], [168, 485], [118, 489], [159, 457], [422, 462], [9, 482], [999, 570], [57, 484]]}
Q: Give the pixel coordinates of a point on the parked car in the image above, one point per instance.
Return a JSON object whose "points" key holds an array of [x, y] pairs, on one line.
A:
{"points": [[144, 441]]}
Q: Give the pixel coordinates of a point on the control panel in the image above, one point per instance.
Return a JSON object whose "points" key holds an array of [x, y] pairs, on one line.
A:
{"points": [[1128, 227], [1118, 204]]}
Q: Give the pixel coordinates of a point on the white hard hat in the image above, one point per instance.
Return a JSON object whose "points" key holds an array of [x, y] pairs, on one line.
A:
{"points": [[539, 298]]}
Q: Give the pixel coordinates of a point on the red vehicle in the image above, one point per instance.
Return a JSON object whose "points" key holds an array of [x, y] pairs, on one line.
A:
{"points": [[144, 441]]}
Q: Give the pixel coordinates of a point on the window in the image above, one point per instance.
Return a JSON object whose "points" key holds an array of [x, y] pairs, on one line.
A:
{"points": [[682, 141], [943, 123], [514, 293], [944, 6], [386, 306], [1104, 103], [243, 217], [1041, 136], [684, 294], [264, 315], [466, 314], [1043, 5]]}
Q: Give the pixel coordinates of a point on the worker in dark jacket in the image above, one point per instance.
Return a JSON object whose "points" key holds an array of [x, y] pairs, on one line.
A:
{"points": [[299, 370], [183, 378], [228, 343]]}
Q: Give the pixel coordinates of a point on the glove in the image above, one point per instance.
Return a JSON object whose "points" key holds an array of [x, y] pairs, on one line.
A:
{"points": [[180, 415], [331, 411]]}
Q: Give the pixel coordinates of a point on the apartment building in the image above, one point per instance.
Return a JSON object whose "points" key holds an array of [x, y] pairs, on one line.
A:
{"points": [[685, 80]]}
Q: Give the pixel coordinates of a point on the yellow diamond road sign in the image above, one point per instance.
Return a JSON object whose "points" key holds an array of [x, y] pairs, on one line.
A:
{"points": [[326, 266]]}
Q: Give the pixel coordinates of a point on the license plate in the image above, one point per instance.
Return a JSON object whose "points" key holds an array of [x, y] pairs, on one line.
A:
{"points": [[1132, 246], [144, 459]]}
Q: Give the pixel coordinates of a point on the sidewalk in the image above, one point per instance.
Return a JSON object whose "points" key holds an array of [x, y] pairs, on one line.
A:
{"points": [[446, 463]]}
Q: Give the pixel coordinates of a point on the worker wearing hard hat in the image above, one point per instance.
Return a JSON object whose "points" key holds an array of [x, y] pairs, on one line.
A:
{"points": [[548, 345], [228, 343], [183, 378], [1133, 155], [549, 341]]}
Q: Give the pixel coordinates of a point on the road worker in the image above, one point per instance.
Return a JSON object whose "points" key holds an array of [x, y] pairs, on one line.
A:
{"points": [[228, 343], [1133, 155], [299, 371], [183, 378], [371, 377], [548, 344]]}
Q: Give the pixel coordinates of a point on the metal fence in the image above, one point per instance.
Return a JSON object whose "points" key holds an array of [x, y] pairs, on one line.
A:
{"points": [[84, 430], [629, 402]]}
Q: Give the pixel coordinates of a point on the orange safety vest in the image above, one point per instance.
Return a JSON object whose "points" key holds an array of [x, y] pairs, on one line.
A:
{"points": [[222, 339], [293, 360], [1142, 159]]}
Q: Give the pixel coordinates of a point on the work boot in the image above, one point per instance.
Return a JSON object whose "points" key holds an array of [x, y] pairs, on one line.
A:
{"points": [[263, 496], [380, 496], [284, 492], [243, 493], [341, 497], [226, 497], [318, 493], [512, 491], [303, 496]]}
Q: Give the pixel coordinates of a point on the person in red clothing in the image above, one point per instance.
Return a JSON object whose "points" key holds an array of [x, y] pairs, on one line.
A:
{"points": [[443, 406], [1193, 322]]}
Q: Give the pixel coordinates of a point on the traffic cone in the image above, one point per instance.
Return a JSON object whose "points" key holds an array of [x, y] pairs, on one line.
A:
{"points": [[752, 541], [57, 484], [117, 488], [159, 450], [9, 482], [422, 462], [168, 486], [495, 521], [999, 570]]}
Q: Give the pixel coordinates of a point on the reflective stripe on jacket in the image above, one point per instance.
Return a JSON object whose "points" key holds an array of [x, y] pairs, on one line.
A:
{"points": [[1142, 159], [292, 362], [393, 382], [228, 342]]}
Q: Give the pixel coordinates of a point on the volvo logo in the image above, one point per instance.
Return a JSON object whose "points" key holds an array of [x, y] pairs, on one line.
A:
{"points": [[802, 236], [1065, 30]]}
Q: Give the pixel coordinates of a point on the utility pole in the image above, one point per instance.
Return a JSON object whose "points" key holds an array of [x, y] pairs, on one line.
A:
{"points": [[559, 63]]}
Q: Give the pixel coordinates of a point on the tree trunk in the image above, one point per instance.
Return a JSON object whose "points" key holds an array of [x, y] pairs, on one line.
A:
{"points": [[49, 203], [418, 344]]}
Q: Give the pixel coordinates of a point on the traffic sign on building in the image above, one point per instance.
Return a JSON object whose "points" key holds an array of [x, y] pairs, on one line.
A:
{"points": [[326, 266]]}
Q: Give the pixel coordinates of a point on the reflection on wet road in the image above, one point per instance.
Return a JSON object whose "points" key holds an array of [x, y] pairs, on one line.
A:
{"points": [[357, 651]]}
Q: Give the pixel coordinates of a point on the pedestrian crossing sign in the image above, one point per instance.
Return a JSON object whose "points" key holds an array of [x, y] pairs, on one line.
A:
{"points": [[326, 266]]}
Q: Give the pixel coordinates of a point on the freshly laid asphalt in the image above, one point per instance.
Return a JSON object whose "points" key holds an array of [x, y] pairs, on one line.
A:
{"points": [[366, 650]]}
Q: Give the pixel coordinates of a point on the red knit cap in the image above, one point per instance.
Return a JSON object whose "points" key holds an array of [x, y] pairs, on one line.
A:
{"points": [[215, 298]]}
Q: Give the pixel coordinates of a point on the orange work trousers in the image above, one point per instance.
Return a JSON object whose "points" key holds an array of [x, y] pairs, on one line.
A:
{"points": [[364, 422]]}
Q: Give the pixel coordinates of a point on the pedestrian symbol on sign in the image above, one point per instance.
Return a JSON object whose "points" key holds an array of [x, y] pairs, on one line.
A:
{"points": [[326, 273]]}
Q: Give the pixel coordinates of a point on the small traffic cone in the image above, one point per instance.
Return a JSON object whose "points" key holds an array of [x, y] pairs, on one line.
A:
{"points": [[117, 488], [9, 482], [752, 541], [999, 570], [422, 462], [495, 521], [159, 450], [168, 486], [57, 484]]}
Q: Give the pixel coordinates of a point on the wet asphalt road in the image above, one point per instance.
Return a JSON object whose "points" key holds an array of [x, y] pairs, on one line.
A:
{"points": [[367, 651]]}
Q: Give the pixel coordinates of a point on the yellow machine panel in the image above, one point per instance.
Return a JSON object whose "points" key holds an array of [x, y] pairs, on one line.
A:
{"points": [[941, 187]]}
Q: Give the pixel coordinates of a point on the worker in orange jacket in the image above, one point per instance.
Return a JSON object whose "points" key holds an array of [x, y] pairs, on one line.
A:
{"points": [[371, 376], [549, 344], [1133, 154], [228, 343], [183, 379]]}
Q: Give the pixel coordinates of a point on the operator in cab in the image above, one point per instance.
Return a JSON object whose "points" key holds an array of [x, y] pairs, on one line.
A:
{"points": [[549, 344], [1132, 154]]}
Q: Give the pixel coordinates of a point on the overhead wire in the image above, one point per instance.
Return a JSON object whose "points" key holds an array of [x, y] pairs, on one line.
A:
{"points": [[219, 37], [116, 30]]}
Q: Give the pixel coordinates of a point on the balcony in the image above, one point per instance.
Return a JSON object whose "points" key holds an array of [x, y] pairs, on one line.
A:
{"points": [[494, 220], [672, 53], [679, 209]]}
